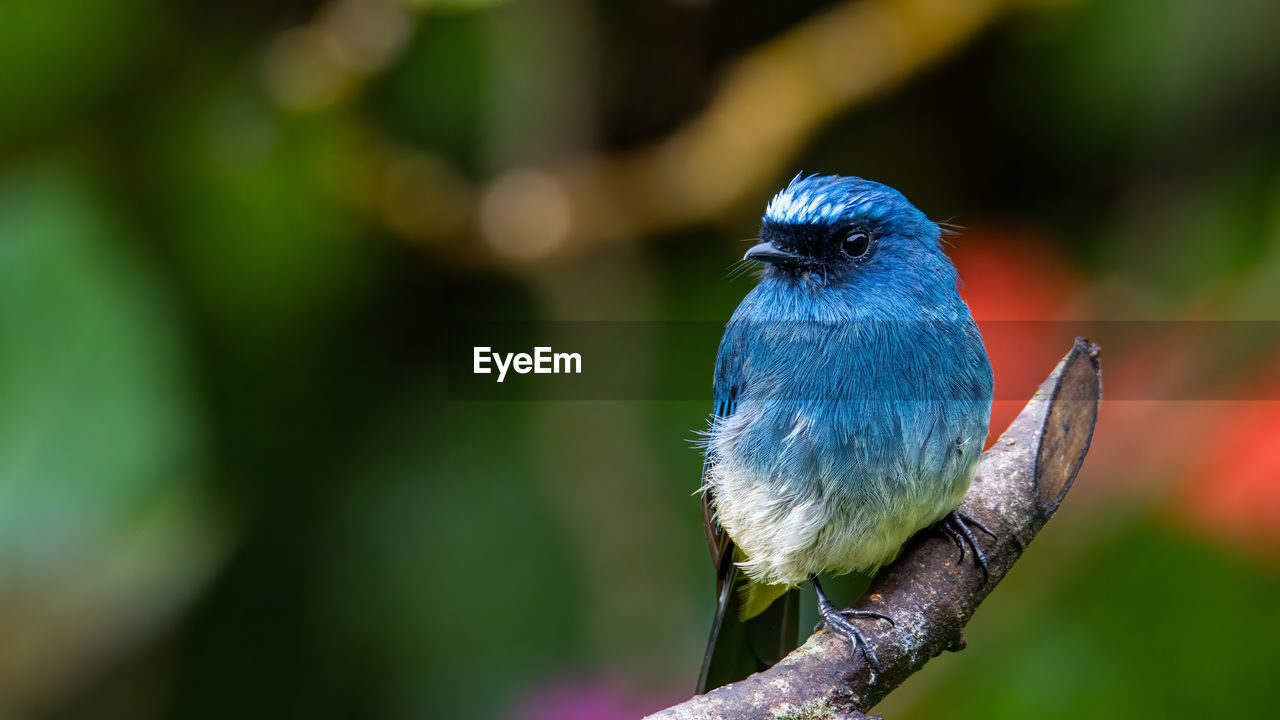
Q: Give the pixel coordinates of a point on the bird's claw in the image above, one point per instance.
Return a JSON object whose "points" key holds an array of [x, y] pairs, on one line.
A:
{"points": [[841, 622], [958, 527]]}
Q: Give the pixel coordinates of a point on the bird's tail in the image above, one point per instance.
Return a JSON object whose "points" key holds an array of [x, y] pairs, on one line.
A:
{"points": [[752, 630]]}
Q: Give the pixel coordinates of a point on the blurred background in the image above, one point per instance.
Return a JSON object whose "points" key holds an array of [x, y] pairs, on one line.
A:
{"points": [[233, 237]]}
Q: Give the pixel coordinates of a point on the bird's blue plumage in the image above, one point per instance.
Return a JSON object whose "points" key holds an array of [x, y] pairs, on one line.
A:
{"points": [[852, 389]]}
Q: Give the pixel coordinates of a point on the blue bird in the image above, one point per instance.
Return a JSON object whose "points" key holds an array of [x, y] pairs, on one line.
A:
{"points": [[851, 400]]}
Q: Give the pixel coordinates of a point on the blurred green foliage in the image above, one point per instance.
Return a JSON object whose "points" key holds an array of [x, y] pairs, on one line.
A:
{"points": [[60, 55], [232, 482], [104, 529]]}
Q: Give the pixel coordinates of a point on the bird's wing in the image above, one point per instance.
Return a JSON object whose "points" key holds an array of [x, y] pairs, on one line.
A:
{"points": [[727, 385], [738, 646], [718, 542]]}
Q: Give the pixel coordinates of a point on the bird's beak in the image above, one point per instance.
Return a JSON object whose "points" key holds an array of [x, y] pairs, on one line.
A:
{"points": [[770, 253]]}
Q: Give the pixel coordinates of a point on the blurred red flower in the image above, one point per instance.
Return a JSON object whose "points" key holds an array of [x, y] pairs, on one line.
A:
{"points": [[1016, 284], [1233, 491]]}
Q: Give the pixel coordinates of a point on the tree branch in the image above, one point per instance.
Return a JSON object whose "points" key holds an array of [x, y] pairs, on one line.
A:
{"points": [[1019, 484]]}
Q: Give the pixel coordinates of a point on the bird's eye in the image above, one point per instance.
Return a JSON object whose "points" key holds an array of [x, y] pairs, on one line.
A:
{"points": [[856, 245]]}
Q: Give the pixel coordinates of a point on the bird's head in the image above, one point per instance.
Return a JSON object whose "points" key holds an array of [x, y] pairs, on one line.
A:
{"points": [[842, 228]]}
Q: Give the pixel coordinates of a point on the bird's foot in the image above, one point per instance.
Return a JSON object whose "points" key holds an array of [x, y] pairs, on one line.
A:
{"points": [[959, 527], [841, 622]]}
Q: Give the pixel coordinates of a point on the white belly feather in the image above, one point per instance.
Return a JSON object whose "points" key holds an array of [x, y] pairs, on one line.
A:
{"points": [[789, 528]]}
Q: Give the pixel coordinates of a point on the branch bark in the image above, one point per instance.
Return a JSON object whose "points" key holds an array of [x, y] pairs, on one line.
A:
{"points": [[1019, 485]]}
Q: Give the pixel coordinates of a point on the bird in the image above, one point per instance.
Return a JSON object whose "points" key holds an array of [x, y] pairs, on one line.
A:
{"points": [[851, 401]]}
